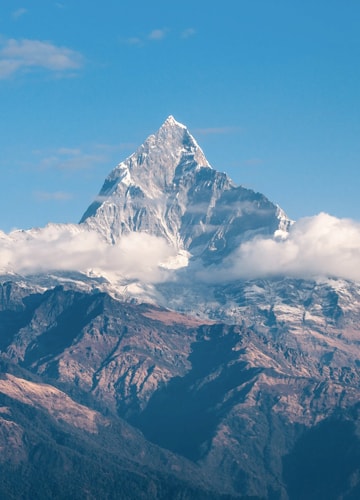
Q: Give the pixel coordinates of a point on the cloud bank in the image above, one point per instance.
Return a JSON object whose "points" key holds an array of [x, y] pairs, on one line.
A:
{"points": [[138, 256], [316, 246]]}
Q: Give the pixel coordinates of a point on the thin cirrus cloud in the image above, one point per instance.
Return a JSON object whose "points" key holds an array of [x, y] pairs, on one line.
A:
{"points": [[154, 35], [19, 13], [25, 55], [253, 162], [70, 159], [188, 33], [134, 40], [52, 196], [217, 130], [157, 35]]}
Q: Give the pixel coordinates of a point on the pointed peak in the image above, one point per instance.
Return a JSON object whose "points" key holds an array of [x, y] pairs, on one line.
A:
{"points": [[171, 122]]}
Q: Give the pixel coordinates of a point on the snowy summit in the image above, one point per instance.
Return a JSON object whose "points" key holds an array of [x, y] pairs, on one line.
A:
{"points": [[168, 188]]}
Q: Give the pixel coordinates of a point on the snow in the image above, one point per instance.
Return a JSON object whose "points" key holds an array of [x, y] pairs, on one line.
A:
{"points": [[170, 121]]}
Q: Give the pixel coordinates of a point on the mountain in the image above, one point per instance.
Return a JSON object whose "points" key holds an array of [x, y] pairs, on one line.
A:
{"points": [[192, 383], [168, 189], [54, 447]]}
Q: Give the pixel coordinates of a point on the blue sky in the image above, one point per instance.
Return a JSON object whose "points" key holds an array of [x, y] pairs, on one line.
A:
{"points": [[270, 90]]}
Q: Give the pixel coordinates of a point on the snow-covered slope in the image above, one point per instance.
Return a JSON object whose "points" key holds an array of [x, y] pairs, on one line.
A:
{"points": [[159, 209], [167, 188]]}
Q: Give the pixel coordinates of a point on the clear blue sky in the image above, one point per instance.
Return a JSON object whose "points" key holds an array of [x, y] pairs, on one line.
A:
{"points": [[269, 88]]}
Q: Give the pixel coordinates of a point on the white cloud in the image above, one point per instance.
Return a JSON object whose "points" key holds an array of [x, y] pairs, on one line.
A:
{"points": [[217, 130], [317, 246], [100, 199], [25, 55], [189, 32], [70, 159], [134, 40], [49, 196], [122, 146], [253, 162], [19, 13], [158, 34], [7, 68], [69, 151], [138, 256]]}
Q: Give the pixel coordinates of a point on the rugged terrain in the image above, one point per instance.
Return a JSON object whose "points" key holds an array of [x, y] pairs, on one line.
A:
{"points": [[181, 387]]}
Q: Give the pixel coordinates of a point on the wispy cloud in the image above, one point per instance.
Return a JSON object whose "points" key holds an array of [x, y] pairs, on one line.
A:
{"points": [[19, 13], [253, 162], [316, 247], [70, 159], [73, 161], [188, 33], [52, 196], [69, 151], [134, 40], [111, 148], [28, 55], [158, 34], [217, 130]]}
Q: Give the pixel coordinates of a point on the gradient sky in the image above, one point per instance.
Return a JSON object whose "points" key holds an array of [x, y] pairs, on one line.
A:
{"points": [[269, 88]]}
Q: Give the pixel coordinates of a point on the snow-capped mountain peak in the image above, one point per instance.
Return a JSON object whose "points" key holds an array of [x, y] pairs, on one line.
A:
{"points": [[171, 122], [176, 136], [154, 166], [167, 188]]}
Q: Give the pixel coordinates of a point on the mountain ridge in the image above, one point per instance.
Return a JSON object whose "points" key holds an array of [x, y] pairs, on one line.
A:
{"points": [[211, 388], [168, 188]]}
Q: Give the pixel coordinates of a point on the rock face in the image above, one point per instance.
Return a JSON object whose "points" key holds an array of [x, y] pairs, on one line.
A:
{"points": [[53, 447], [238, 400], [241, 389], [168, 189]]}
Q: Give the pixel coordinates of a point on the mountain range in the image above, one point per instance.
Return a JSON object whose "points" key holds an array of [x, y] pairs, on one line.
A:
{"points": [[142, 356]]}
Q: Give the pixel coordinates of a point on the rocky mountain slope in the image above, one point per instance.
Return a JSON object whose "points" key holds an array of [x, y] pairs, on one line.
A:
{"points": [[168, 188], [195, 389], [53, 447], [232, 398]]}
